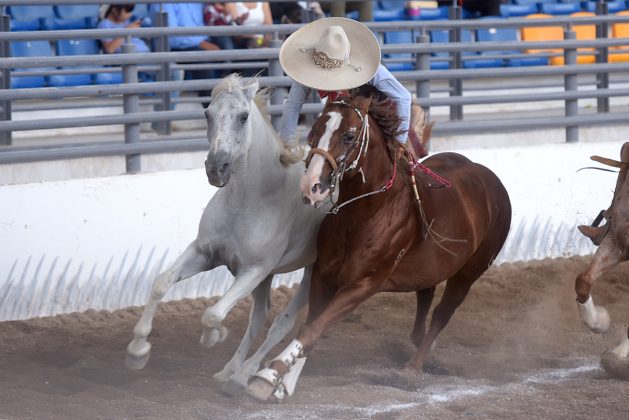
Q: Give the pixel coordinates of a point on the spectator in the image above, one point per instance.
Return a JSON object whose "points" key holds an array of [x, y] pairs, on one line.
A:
{"points": [[250, 14], [482, 7], [188, 15], [214, 14], [119, 17], [340, 9], [293, 11]]}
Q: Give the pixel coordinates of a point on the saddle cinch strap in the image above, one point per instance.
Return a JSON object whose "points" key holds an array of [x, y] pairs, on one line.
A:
{"points": [[610, 162]]}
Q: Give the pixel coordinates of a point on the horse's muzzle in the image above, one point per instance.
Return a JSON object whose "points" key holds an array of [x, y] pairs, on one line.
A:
{"points": [[217, 171]]}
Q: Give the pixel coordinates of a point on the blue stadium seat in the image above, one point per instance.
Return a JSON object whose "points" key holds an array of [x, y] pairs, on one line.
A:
{"points": [[399, 37], [612, 6], [29, 49], [514, 10], [389, 10], [506, 35], [472, 62], [558, 9], [29, 18], [471, 59], [74, 47], [31, 12], [441, 59], [76, 16], [439, 13]]}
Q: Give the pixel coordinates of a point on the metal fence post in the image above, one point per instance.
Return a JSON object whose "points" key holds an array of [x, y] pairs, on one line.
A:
{"points": [[5, 51], [456, 84], [422, 62], [160, 19], [131, 104], [602, 56], [571, 83], [275, 70]]}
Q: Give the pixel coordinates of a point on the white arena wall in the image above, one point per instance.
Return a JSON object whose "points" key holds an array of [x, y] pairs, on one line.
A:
{"points": [[97, 243]]}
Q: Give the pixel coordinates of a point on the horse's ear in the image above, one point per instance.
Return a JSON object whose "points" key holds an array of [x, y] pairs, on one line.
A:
{"points": [[251, 89]]}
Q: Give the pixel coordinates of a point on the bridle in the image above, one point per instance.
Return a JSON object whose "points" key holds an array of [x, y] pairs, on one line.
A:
{"points": [[340, 165]]}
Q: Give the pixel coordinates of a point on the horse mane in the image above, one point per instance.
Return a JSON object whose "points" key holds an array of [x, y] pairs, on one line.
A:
{"points": [[383, 112], [289, 154]]}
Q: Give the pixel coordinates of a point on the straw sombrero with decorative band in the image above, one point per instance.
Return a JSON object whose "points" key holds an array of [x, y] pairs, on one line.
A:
{"points": [[331, 54]]}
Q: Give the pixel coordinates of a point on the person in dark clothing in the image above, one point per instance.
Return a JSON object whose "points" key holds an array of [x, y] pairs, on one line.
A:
{"points": [[482, 7]]}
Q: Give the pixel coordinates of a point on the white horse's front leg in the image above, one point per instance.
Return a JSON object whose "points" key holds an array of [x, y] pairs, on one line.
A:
{"points": [[213, 329], [282, 325], [191, 262], [257, 318], [595, 317]]}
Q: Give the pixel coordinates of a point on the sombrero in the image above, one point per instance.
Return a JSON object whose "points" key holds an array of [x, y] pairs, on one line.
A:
{"points": [[331, 54]]}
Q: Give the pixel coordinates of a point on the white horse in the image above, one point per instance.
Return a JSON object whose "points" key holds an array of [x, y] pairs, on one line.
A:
{"points": [[256, 224]]}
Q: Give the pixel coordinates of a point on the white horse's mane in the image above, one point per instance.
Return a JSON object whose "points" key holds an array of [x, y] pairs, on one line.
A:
{"points": [[289, 154]]}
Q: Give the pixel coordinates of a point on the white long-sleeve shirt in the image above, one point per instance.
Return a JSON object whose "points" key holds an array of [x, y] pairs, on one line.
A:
{"points": [[383, 80]]}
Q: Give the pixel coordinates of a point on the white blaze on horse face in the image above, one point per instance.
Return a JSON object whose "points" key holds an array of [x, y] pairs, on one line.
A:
{"points": [[312, 176]]}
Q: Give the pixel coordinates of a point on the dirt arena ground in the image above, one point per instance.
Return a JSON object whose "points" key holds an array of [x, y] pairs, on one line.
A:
{"points": [[515, 349]]}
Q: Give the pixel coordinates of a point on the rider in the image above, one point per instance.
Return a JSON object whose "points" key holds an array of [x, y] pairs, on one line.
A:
{"points": [[333, 55]]}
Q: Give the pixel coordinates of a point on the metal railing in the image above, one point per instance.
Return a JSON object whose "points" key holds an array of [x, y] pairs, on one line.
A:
{"points": [[568, 80]]}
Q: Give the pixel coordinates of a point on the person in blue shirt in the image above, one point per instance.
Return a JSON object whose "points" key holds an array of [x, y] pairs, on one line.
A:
{"points": [[188, 15], [119, 17]]}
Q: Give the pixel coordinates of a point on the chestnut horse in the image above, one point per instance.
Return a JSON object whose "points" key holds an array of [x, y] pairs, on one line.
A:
{"points": [[381, 237], [613, 249]]}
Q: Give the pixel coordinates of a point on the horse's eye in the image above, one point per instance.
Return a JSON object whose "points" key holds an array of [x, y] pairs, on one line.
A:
{"points": [[243, 117], [348, 137]]}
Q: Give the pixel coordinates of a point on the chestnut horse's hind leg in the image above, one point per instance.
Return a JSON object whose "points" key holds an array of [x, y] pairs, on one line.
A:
{"points": [[191, 262], [455, 291], [605, 258], [424, 301], [257, 318]]}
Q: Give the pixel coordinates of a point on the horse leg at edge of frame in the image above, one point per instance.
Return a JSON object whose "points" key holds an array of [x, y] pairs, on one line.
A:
{"points": [[457, 288], [616, 361], [605, 258], [244, 283], [282, 324], [257, 318], [280, 378], [191, 262], [424, 302]]}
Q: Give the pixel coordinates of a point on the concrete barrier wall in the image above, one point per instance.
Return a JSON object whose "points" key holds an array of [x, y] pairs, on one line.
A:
{"points": [[98, 243]]}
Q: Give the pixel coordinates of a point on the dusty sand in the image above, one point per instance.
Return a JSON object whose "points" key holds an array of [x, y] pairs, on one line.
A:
{"points": [[515, 349]]}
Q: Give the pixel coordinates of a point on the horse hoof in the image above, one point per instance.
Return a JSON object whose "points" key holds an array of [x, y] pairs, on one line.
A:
{"points": [[234, 387], [137, 362], [615, 366], [260, 389], [210, 337], [138, 354]]}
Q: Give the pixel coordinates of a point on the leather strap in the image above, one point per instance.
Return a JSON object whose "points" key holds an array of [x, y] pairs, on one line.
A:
{"points": [[610, 162]]}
